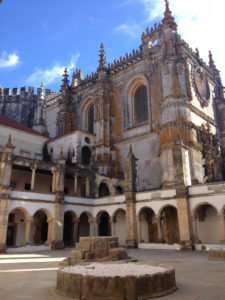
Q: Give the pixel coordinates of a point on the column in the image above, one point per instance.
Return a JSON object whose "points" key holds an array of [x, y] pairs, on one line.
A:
{"points": [[139, 229], [53, 170], [222, 229], [33, 178], [93, 227], [49, 239], [27, 233], [159, 227], [112, 222], [87, 187], [195, 230], [75, 184]]}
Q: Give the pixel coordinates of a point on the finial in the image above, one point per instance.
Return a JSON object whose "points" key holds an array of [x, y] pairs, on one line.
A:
{"points": [[9, 143], [168, 18], [65, 80], [102, 60], [211, 61]]}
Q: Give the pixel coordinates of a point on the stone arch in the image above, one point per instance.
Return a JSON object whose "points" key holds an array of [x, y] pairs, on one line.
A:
{"points": [[137, 86], [88, 110], [195, 208], [119, 190], [148, 228], [206, 223], [18, 220], [103, 189], [84, 224], [40, 226], [70, 228], [170, 225], [119, 224], [103, 221]]}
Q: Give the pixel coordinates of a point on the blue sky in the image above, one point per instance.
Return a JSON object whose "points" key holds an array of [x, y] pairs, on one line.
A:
{"points": [[40, 38]]}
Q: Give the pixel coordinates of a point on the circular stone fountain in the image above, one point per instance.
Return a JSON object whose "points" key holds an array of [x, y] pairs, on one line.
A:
{"points": [[115, 281], [99, 270]]}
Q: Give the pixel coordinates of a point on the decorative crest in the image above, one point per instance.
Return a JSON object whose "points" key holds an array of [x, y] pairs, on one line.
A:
{"points": [[102, 58], [168, 18]]}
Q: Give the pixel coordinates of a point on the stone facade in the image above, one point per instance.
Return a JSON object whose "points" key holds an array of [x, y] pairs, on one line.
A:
{"points": [[150, 123]]}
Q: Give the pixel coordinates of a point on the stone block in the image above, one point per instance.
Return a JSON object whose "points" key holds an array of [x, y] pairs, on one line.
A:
{"points": [[217, 254], [57, 245], [118, 253]]}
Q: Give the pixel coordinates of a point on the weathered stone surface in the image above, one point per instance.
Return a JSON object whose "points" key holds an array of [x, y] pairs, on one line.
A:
{"points": [[131, 287], [217, 254]]}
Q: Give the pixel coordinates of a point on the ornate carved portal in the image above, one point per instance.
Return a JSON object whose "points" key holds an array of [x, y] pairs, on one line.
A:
{"points": [[211, 153]]}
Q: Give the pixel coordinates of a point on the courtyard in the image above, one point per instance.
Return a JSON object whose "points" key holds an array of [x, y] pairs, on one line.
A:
{"points": [[33, 275]]}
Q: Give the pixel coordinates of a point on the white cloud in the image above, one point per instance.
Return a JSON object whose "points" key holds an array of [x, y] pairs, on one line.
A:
{"points": [[131, 30], [52, 74], [8, 60], [200, 23]]}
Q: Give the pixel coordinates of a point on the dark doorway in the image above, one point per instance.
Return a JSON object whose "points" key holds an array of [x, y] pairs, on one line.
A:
{"points": [[41, 228], [85, 155], [103, 190], [84, 227], [69, 229], [104, 225]]}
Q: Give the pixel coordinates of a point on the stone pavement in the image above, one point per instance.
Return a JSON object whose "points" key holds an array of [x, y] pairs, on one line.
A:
{"points": [[33, 275]]}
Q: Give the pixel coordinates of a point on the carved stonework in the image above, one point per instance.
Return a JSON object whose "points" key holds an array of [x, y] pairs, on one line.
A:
{"points": [[201, 86]]}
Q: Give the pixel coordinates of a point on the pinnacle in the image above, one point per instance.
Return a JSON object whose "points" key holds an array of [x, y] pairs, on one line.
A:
{"points": [[168, 18], [102, 58], [65, 79]]}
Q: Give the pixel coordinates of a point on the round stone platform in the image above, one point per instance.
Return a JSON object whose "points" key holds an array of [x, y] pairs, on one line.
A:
{"points": [[115, 281]]}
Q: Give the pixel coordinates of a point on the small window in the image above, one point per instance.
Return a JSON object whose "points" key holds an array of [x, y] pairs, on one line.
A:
{"points": [[24, 153], [27, 187], [38, 156], [90, 123], [11, 218]]}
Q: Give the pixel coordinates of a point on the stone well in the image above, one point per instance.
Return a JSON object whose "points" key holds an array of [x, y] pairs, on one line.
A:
{"points": [[115, 281], [100, 270]]}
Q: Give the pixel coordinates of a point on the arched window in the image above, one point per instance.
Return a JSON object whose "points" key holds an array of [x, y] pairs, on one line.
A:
{"points": [[90, 120], [85, 155], [103, 190], [140, 105]]}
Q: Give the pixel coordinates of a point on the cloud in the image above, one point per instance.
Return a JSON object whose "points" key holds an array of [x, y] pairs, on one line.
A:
{"points": [[131, 30], [200, 23], [52, 74], [9, 60]]}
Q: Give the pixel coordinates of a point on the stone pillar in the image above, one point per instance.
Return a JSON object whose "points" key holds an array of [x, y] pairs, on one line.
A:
{"points": [[93, 227], [195, 230], [33, 169], [112, 226], [27, 232], [58, 219], [182, 180], [130, 186], [159, 227], [87, 187], [139, 230], [222, 229], [49, 239], [75, 184], [5, 178]]}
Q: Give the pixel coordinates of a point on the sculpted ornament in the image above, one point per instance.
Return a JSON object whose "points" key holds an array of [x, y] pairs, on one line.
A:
{"points": [[201, 86]]}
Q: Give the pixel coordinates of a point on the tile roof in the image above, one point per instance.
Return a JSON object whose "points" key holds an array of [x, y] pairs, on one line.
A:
{"points": [[6, 121]]}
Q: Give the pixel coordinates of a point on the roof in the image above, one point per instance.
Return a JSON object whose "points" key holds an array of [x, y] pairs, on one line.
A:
{"points": [[6, 121]]}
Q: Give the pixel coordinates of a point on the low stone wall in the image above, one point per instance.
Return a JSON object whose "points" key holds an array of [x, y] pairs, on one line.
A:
{"points": [[217, 254], [131, 287]]}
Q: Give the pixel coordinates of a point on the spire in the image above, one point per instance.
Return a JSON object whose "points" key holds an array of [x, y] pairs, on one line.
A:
{"points": [[65, 80], [102, 58], [211, 61], [168, 18]]}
